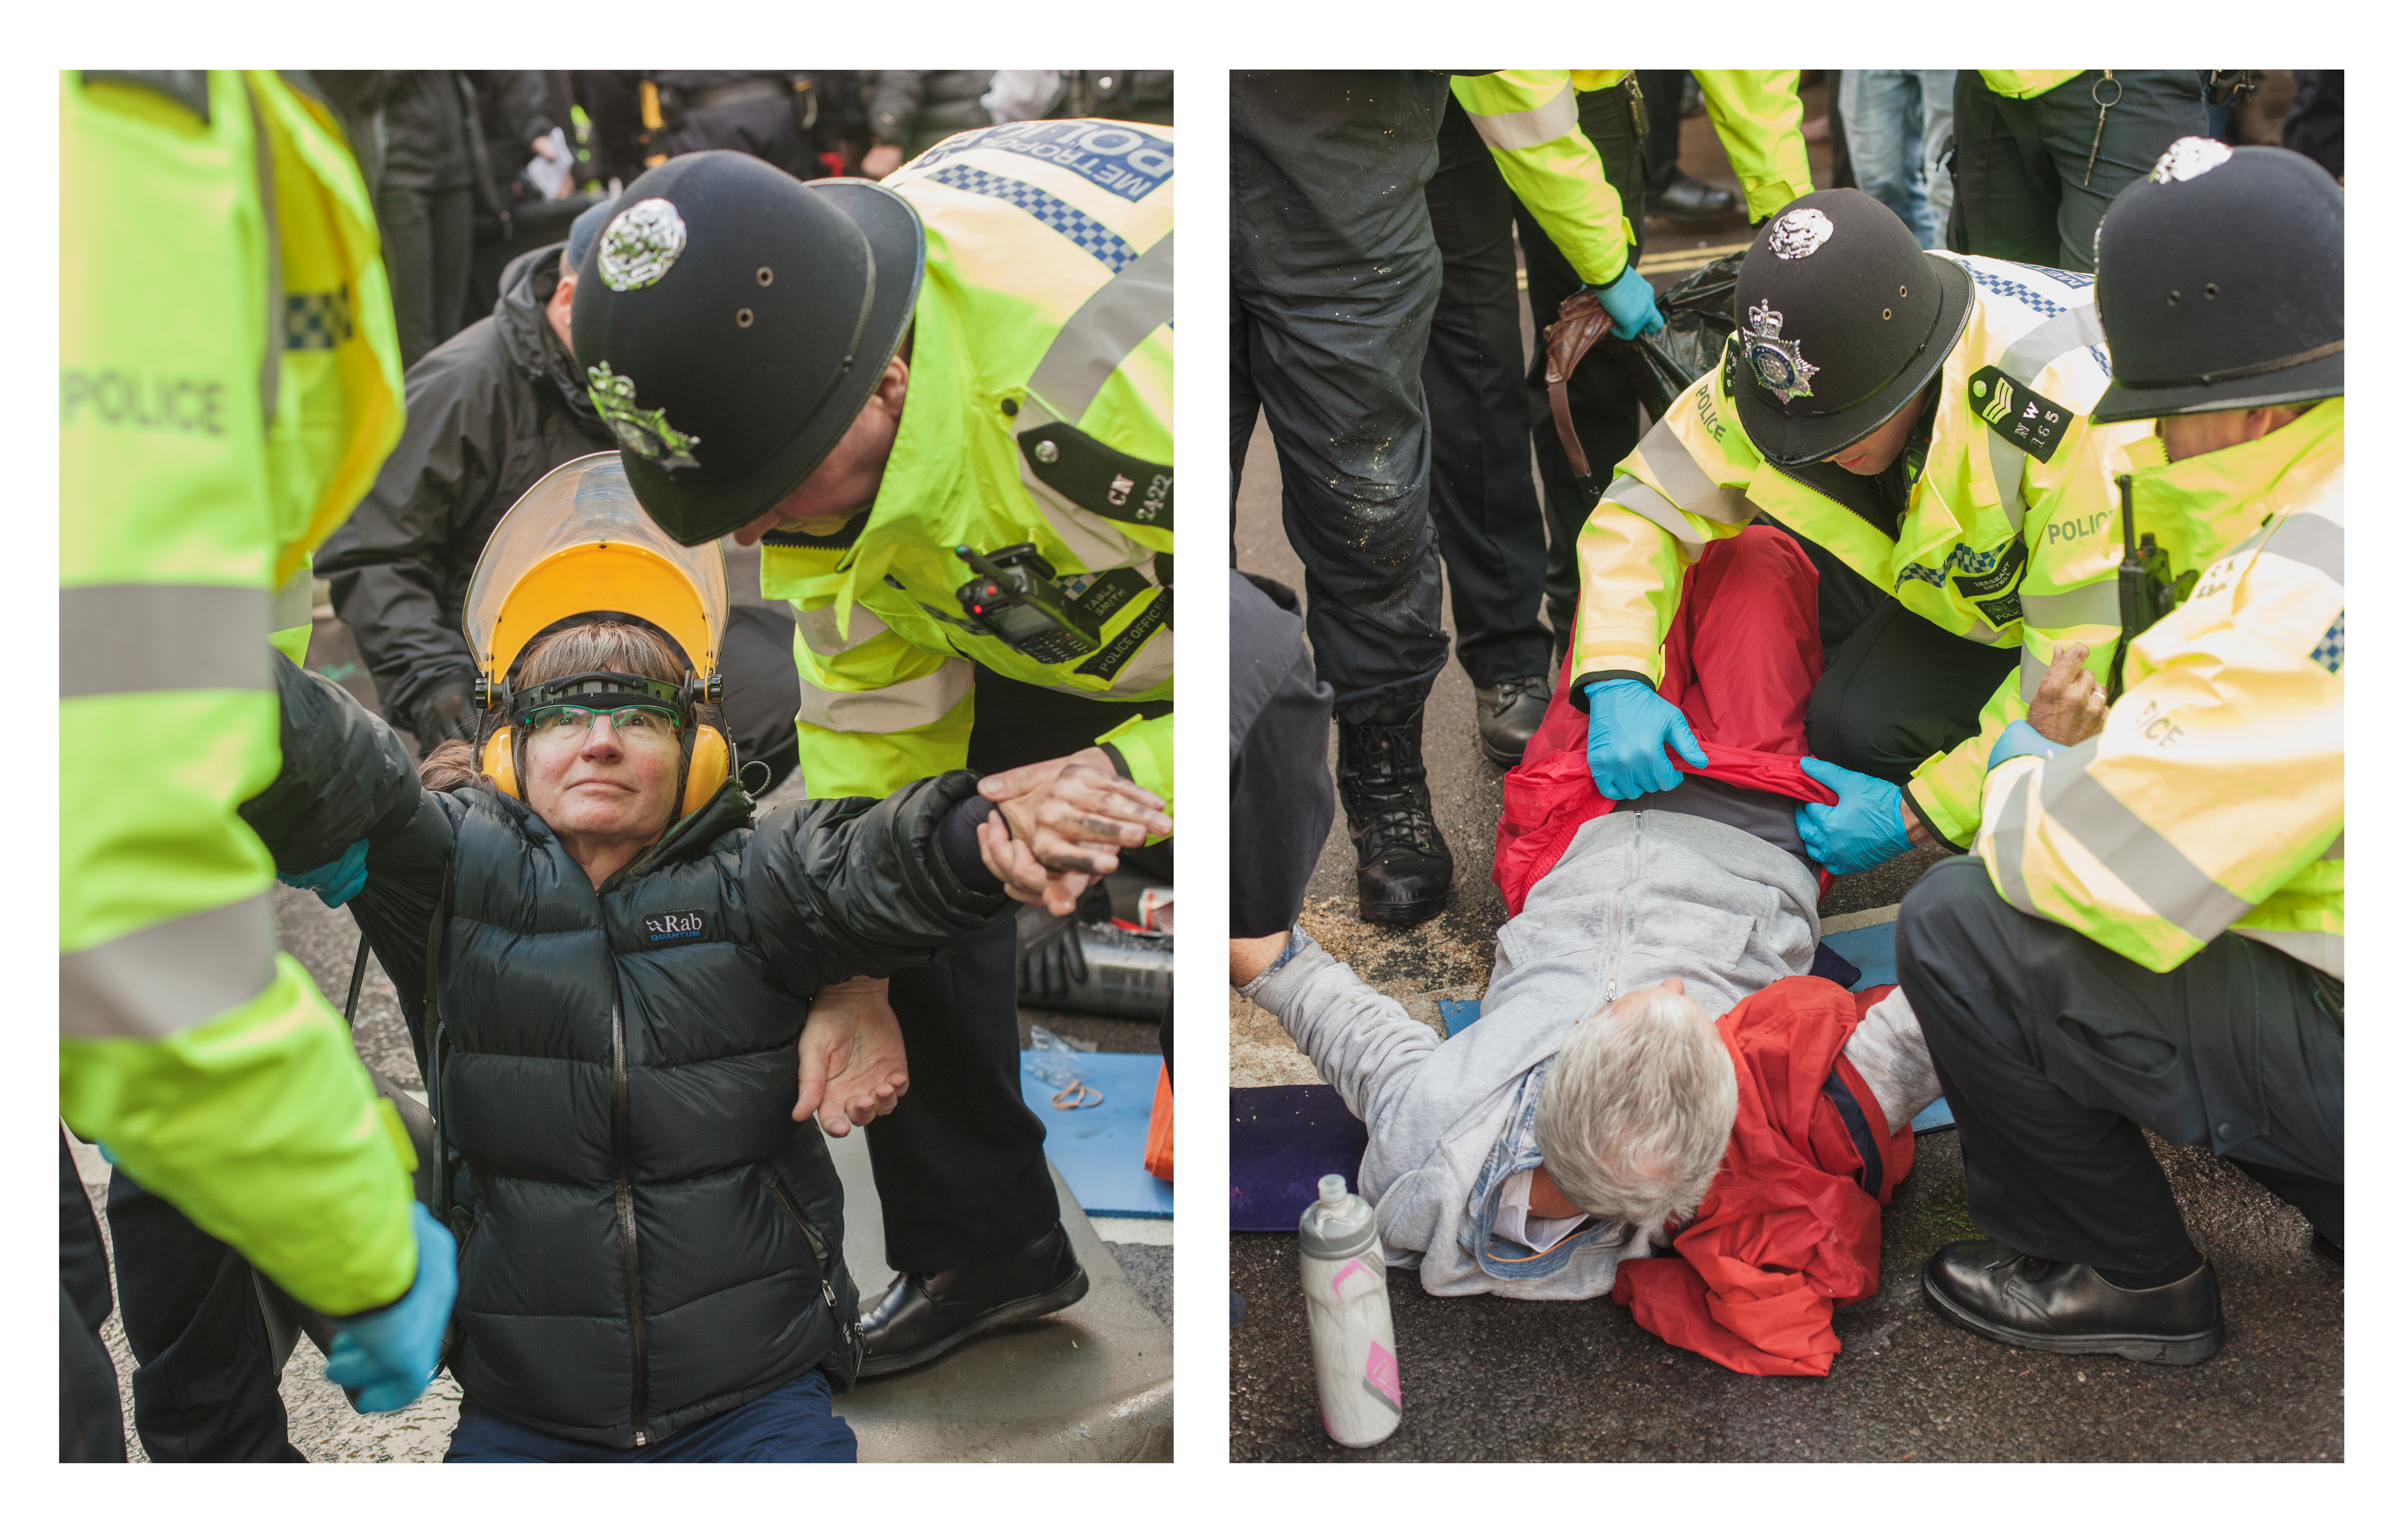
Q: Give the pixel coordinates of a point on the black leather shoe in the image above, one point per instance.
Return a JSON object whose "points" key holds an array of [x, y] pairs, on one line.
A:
{"points": [[2030, 1301], [1403, 862], [1507, 713], [924, 1314], [1689, 200]]}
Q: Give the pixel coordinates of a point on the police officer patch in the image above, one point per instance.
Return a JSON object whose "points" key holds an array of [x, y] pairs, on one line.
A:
{"points": [[1775, 361], [2017, 414], [640, 244]]}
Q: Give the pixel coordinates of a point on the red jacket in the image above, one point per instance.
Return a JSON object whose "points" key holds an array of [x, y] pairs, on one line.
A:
{"points": [[1787, 1231]]}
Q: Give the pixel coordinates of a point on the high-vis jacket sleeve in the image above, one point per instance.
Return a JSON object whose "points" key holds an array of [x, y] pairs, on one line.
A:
{"points": [[1947, 789], [1681, 488], [1527, 119], [876, 712], [202, 1058], [1757, 116], [1146, 746], [2214, 795]]}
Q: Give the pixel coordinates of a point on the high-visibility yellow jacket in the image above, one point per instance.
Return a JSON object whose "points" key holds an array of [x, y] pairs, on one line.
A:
{"points": [[2212, 800], [1048, 299], [2022, 84], [2032, 343], [1527, 118], [229, 379]]}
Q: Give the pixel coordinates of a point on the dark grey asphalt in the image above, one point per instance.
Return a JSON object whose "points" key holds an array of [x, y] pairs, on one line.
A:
{"points": [[1498, 1379]]}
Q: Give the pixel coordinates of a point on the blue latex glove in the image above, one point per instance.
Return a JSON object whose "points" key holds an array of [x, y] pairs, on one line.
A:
{"points": [[2021, 739], [1862, 831], [386, 1356], [1631, 302], [338, 882], [1625, 744]]}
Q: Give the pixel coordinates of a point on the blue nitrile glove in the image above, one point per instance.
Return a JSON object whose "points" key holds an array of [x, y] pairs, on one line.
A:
{"points": [[1625, 744], [2021, 739], [386, 1356], [1631, 302], [1863, 831], [336, 883]]}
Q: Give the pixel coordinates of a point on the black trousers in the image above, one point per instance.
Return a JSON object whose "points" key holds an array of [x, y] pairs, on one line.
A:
{"points": [[2018, 172], [958, 1164], [1899, 689], [1335, 275], [91, 1428], [1600, 396], [2055, 1053], [1484, 511], [207, 1390], [428, 249]]}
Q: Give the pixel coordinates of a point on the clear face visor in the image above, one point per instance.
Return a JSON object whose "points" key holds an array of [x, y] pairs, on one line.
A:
{"points": [[579, 542]]}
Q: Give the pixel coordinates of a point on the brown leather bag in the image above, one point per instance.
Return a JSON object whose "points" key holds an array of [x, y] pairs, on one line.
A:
{"points": [[1581, 323]]}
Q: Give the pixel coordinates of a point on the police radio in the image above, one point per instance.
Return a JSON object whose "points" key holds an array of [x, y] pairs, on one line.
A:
{"points": [[1016, 596], [2147, 589]]}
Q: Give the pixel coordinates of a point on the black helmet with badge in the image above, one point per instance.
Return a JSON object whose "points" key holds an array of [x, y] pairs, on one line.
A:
{"points": [[732, 321], [1843, 320], [2220, 283]]}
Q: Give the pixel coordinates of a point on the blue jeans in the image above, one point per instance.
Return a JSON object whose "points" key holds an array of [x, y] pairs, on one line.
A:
{"points": [[794, 1424], [1895, 121]]}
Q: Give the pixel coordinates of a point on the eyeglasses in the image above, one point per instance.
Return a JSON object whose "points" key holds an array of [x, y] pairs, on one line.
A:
{"points": [[640, 723]]}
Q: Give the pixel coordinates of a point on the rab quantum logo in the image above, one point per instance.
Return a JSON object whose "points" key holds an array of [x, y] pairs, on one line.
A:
{"points": [[669, 927]]}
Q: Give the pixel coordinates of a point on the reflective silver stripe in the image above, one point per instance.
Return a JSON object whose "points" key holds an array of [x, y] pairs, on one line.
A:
{"points": [[2008, 845], [2031, 668], [1554, 118], [2150, 865], [818, 631], [162, 979], [2053, 338], [2310, 539], [1648, 504], [1099, 336], [889, 710], [2008, 474], [2093, 605], [2319, 950], [295, 605], [162, 638], [1688, 485]]}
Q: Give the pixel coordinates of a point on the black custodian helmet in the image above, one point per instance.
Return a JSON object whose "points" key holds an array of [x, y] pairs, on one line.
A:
{"points": [[1838, 276], [732, 321], [2220, 283]]}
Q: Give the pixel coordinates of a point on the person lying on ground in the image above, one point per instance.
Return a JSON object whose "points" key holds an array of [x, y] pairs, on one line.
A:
{"points": [[1717, 1100], [608, 1013]]}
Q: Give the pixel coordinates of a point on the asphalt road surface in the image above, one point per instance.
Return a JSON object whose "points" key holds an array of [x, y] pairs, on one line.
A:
{"points": [[1496, 1379]]}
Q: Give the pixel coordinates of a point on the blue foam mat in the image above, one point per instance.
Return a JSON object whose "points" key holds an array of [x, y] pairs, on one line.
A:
{"points": [[1099, 1149], [1867, 948]]}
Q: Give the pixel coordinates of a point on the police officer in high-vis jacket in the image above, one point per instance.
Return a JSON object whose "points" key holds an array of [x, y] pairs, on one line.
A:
{"points": [[229, 379], [946, 402], [1911, 416], [2152, 937]]}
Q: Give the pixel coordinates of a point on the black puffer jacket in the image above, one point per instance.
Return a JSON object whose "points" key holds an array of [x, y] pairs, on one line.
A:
{"points": [[649, 1240], [490, 411]]}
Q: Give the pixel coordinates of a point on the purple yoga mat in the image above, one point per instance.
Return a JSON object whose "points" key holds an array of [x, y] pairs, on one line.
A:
{"points": [[1284, 1138]]}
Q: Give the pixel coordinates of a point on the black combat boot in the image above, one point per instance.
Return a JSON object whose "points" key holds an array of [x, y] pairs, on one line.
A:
{"points": [[1403, 863]]}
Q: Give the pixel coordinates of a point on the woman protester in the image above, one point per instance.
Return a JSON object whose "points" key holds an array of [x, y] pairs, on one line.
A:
{"points": [[605, 965]]}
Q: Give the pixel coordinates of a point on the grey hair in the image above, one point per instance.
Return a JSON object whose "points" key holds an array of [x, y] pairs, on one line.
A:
{"points": [[1637, 1110]]}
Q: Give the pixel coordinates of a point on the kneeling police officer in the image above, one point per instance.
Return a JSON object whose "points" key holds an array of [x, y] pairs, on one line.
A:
{"points": [[945, 403]]}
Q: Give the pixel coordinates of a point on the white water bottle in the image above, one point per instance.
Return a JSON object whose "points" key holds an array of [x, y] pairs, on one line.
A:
{"points": [[1349, 1317]]}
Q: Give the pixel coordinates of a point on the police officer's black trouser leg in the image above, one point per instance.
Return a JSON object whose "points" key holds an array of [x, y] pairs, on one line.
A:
{"points": [[1489, 523], [1335, 274], [1899, 690], [958, 1165], [2021, 164], [1601, 401], [429, 250], [2055, 1053], [207, 1387], [91, 1429]]}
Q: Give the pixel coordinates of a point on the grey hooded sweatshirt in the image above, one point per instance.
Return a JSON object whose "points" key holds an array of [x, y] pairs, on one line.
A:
{"points": [[1638, 897]]}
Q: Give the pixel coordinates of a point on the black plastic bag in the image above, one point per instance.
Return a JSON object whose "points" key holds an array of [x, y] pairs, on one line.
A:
{"points": [[1700, 314]]}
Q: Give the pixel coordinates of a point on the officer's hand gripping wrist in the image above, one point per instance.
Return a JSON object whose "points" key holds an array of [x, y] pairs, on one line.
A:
{"points": [[338, 882], [1625, 743], [1863, 830], [386, 1357]]}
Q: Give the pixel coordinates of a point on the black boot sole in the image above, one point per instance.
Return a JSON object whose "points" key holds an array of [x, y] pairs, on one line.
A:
{"points": [[1401, 913], [1033, 1308], [2181, 1351], [1497, 757]]}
